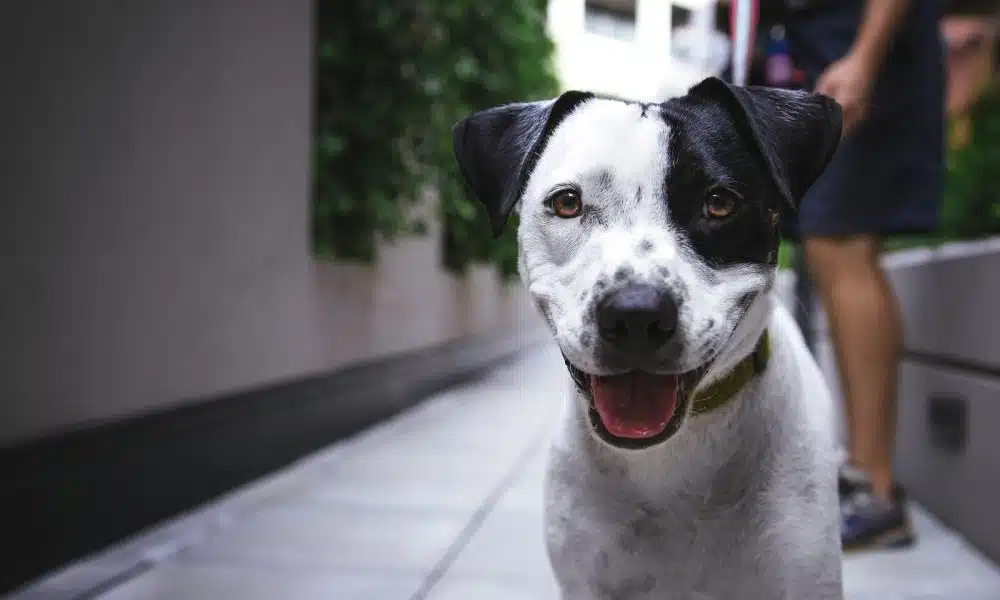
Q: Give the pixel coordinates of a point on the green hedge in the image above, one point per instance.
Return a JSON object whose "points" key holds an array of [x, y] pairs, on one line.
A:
{"points": [[972, 194], [392, 78]]}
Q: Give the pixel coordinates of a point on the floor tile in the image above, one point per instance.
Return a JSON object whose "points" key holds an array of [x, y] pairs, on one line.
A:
{"points": [[526, 492], [333, 537], [509, 544], [429, 479], [480, 588], [177, 582]]}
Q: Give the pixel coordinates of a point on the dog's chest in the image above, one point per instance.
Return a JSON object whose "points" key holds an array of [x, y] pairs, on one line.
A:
{"points": [[612, 538], [643, 555]]}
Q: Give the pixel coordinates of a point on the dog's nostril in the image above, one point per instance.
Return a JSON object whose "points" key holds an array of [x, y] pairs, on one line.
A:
{"points": [[637, 318], [657, 331], [611, 329]]}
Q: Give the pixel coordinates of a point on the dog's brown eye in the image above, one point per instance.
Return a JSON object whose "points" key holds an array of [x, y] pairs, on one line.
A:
{"points": [[567, 204], [721, 204]]}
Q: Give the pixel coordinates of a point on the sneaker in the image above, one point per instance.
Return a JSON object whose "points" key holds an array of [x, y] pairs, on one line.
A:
{"points": [[850, 479], [870, 523]]}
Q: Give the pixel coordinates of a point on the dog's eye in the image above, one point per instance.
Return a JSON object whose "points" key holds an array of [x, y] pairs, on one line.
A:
{"points": [[567, 204], [721, 203]]}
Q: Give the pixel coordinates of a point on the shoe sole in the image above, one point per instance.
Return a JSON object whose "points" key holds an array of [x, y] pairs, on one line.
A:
{"points": [[895, 539]]}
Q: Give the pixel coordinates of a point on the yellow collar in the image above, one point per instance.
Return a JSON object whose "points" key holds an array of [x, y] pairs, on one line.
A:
{"points": [[724, 389]]}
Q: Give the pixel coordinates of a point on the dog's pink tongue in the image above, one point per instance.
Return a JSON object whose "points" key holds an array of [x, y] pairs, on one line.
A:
{"points": [[635, 405]]}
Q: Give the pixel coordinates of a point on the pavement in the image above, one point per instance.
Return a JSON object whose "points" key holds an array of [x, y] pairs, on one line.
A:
{"points": [[442, 502]]}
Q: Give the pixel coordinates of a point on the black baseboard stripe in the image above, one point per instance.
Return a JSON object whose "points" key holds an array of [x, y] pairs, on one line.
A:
{"points": [[948, 362], [71, 495]]}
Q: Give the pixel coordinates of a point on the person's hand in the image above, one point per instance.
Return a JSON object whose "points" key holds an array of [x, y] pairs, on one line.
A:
{"points": [[849, 81]]}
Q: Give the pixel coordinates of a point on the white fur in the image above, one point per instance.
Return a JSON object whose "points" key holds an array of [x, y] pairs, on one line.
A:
{"points": [[740, 503]]}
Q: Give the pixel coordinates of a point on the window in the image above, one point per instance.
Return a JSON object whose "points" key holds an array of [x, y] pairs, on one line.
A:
{"points": [[696, 36], [679, 16], [612, 18], [680, 19]]}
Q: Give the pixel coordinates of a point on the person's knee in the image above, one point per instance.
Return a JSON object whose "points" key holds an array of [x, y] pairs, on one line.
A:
{"points": [[831, 257]]}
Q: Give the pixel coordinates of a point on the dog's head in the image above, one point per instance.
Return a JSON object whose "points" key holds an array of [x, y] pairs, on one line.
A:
{"points": [[648, 232]]}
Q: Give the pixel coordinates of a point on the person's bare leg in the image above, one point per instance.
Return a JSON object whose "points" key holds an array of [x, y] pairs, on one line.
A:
{"points": [[866, 330]]}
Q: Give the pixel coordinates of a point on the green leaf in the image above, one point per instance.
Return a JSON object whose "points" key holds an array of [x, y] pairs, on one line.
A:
{"points": [[392, 78]]}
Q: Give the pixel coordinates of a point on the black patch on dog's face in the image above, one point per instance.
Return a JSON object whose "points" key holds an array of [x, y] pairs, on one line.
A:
{"points": [[764, 146], [707, 152]]}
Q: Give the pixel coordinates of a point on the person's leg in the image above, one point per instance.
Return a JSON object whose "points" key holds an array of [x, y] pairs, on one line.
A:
{"points": [[866, 332]]}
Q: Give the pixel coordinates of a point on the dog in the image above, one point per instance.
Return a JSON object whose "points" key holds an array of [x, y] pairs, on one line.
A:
{"points": [[696, 457]]}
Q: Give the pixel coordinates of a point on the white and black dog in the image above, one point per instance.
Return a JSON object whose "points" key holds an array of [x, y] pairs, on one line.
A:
{"points": [[696, 458]]}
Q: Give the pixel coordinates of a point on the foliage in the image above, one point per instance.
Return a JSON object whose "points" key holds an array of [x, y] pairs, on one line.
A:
{"points": [[393, 77], [972, 199]]}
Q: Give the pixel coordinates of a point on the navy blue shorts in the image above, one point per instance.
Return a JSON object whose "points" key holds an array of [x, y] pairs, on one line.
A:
{"points": [[887, 177]]}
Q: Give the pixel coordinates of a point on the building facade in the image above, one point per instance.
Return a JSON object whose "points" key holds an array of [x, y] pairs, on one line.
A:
{"points": [[645, 50]]}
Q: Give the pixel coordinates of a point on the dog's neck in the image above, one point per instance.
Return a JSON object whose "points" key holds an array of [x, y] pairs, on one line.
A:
{"points": [[712, 397], [693, 464], [743, 342]]}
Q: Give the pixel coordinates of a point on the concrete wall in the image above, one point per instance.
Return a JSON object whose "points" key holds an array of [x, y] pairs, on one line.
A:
{"points": [[154, 236], [948, 297]]}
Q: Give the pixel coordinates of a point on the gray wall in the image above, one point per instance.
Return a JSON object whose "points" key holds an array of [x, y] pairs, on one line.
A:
{"points": [[948, 297], [154, 239]]}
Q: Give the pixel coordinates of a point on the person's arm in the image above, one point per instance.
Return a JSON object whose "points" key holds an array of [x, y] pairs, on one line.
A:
{"points": [[971, 51], [878, 25], [850, 80]]}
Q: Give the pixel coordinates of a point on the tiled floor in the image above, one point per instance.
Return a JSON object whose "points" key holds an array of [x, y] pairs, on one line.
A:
{"points": [[441, 503]]}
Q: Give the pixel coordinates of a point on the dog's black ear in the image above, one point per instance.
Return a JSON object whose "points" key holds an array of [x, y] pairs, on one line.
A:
{"points": [[497, 148], [795, 132]]}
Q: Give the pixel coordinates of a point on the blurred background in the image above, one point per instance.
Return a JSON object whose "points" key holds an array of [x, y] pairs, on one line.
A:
{"points": [[238, 267]]}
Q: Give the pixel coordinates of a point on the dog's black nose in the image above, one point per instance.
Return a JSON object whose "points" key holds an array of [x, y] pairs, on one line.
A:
{"points": [[637, 318]]}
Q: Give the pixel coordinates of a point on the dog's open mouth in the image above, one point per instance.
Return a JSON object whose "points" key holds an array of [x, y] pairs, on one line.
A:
{"points": [[636, 409], [635, 405]]}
